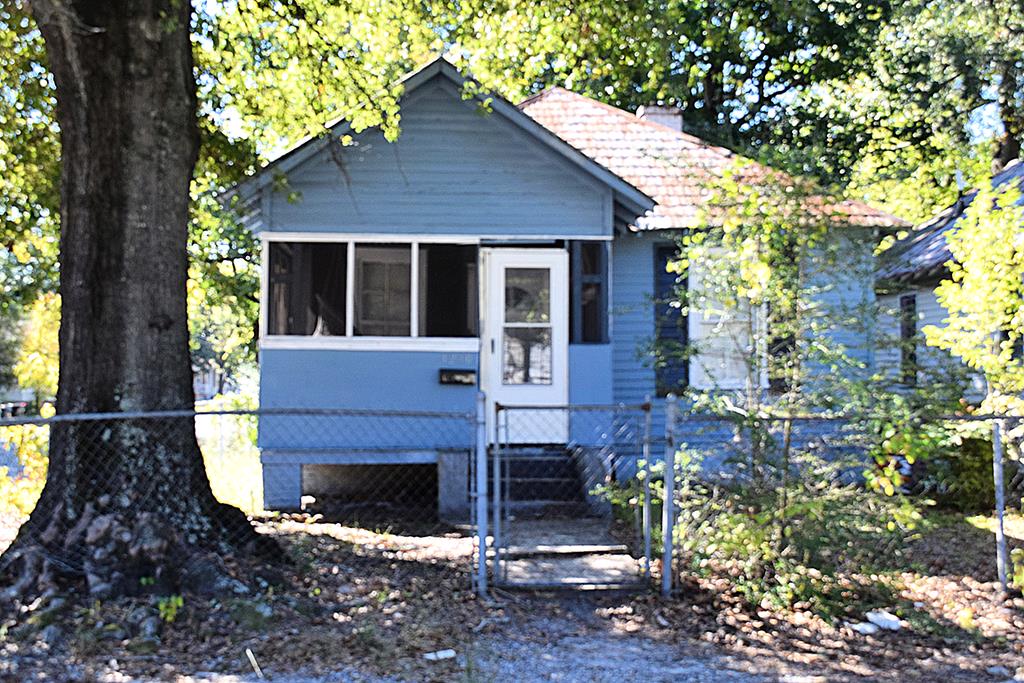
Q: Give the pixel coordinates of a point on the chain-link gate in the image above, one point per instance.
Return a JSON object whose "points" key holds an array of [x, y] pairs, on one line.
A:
{"points": [[569, 490]]}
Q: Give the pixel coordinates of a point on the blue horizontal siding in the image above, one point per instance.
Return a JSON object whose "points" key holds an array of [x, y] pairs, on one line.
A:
{"points": [[632, 325], [452, 170], [590, 374], [363, 380]]}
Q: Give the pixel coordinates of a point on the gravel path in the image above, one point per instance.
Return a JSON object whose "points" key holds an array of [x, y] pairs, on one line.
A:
{"points": [[598, 658], [561, 649]]}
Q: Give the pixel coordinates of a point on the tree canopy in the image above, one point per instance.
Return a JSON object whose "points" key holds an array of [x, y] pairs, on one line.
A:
{"points": [[887, 100]]}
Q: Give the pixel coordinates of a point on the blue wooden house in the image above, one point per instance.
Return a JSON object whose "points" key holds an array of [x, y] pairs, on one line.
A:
{"points": [[514, 250]]}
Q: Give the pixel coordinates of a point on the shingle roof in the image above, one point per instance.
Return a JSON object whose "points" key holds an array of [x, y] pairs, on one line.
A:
{"points": [[923, 253], [671, 166]]}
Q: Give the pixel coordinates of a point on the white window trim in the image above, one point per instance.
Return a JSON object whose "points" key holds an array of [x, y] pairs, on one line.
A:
{"points": [[392, 238], [438, 344], [414, 290]]}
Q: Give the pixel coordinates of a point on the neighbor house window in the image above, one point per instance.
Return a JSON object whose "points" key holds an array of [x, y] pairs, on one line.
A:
{"points": [[588, 293], [671, 367], [908, 339], [397, 290], [307, 289], [781, 347]]}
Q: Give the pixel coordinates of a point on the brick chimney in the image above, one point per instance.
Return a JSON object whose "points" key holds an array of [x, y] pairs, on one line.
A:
{"points": [[669, 116]]}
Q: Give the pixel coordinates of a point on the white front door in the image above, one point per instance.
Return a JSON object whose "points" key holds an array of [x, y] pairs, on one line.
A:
{"points": [[525, 354]]}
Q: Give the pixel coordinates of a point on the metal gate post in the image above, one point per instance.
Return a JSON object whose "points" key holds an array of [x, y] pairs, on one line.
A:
{"points": [[1002, 561], [668, 516], [496, 495], [647, 487], [481, 492]]}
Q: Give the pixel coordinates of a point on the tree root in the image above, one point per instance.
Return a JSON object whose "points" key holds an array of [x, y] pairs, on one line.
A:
{"points": [[113, 553]]}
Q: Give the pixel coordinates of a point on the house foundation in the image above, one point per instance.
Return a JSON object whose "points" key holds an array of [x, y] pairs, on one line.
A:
{"points": [[371, 486]]}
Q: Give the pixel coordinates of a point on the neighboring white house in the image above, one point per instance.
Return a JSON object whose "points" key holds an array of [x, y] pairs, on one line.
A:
{"points": [[907, 278]]}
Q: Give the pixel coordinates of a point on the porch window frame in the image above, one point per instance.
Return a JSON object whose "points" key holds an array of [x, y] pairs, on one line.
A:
{"points": [[413, 341]]}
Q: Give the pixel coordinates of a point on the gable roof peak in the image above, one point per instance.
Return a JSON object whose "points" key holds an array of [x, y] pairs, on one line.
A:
{"points": [[632, 200]]}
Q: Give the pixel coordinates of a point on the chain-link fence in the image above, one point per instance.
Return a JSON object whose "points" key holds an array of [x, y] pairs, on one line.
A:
{"points": [[795, 508], [385, 484], [558, 496], [572, 508]]}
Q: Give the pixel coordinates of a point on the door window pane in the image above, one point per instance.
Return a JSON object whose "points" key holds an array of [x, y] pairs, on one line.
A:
{"points": [[527, 355], [527, 295], [382, 290]]}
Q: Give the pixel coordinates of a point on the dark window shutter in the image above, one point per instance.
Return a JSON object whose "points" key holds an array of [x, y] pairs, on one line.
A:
{"points": [[908, 339], [672, 369], [588, 293]]}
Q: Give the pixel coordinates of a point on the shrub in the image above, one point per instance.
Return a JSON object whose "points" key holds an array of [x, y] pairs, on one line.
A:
{"points": [[20, 488], [788, 542], [811, 539], [962, 478]]}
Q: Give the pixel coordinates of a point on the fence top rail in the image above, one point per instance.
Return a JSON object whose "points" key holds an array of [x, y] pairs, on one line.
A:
{"points": [[261, 412], [579, 407], [986, 417]]}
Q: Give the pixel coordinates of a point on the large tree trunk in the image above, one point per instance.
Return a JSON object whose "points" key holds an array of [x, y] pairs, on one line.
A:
{"points": [[1007, 147], [123, 498]]}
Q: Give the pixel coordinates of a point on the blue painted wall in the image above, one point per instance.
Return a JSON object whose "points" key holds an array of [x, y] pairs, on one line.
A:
{"points": [[847, 293], [846, 275], [453, 169], [590, 374], [632, 322], [391, 381], [363, 380]]}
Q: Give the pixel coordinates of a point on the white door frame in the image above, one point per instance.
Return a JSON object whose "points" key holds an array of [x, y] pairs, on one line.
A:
{"points": [[531, 427]]}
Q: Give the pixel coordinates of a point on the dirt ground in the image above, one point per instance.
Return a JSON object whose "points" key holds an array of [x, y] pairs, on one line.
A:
{"points": [[356, 605]]}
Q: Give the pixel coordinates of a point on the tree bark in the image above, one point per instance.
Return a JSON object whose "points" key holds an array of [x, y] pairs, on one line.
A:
{"points": [[1007, 147], [123, 498]]}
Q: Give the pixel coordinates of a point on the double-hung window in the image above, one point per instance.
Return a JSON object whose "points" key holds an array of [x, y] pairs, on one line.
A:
{"points": [[384, 287]]}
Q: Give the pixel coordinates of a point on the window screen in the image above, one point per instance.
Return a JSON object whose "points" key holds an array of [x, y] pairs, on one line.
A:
{"points": [[307, 289], [671, 367], [383, 290], [448, 291]]}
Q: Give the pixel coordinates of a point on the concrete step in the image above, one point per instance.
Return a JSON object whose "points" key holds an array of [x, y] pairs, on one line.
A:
{"points": [[544, 489], [592, 571], [562, 550], [549, 509]]}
